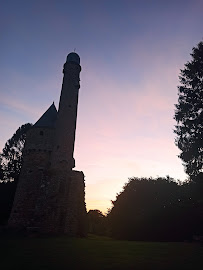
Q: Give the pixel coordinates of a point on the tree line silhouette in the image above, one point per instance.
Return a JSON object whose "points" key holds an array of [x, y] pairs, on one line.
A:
{"points": [[156, 210]]}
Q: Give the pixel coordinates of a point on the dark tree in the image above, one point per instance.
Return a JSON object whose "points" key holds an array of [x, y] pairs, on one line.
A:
{"points": [[1, 169], [156, 210], [189, 115], [10, 165], [96, 222], [11, 157]]}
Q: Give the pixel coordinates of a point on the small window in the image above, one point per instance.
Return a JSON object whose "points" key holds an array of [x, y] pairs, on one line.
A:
{"points": [[41, 133]]}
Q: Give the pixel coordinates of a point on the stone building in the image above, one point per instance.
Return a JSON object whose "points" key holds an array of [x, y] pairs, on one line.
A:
{"points": [[50, 196]]}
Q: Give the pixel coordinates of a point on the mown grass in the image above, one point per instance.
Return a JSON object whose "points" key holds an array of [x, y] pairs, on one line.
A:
{"points": [[96, 253]]}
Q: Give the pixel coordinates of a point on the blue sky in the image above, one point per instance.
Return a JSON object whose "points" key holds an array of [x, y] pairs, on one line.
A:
{"points": [[131, 53]]}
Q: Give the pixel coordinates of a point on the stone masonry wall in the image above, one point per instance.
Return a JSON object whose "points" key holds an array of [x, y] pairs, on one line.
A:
{"points": [[61, 206], [36, 160], [39, 138], [32, 173]]}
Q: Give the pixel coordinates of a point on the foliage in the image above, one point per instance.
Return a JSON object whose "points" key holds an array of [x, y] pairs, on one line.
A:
{"points": [[189, 115], [1, 169], [156, 210], [11, 157], [96, 222], [10, 165]]}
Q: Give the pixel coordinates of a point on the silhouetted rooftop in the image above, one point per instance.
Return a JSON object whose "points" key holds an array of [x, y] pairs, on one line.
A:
{"points": [[48, 119], [73, 57]]}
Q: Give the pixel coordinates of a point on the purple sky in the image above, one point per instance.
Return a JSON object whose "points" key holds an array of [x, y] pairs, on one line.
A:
{"points": [[131, 53]]}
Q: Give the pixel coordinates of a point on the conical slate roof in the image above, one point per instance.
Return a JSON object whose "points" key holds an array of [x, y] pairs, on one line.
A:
{"points": [[48, 119]]}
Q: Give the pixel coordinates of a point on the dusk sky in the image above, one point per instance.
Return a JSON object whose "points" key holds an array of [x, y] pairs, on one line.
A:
{"points": [[131, 53]]}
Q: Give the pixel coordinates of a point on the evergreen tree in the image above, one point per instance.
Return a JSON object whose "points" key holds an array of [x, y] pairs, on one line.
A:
{"points": [[189, 115]]}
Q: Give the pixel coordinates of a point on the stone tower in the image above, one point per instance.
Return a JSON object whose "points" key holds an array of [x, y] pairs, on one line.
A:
{"points": [[50, 194], [67, 113]]}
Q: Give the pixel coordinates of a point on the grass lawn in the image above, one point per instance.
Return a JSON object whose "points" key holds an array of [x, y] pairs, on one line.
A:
{"points": [[97, 253]]}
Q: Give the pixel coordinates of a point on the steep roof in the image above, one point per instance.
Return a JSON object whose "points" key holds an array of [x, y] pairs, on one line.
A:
{"points": [[48, 119]]}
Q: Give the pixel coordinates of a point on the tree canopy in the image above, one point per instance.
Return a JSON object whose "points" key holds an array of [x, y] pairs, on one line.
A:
{"points": [[10, 165], [11, 156], [189, 115], [157, 209], [96, 222]]}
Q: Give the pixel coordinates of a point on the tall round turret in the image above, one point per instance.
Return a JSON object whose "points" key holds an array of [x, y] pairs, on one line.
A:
{"points": [[67, 113]]}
